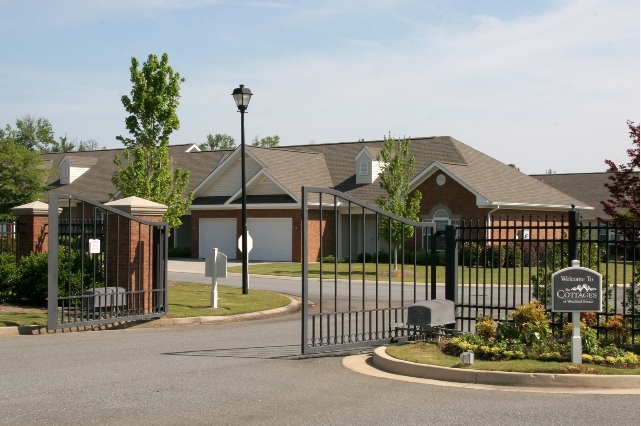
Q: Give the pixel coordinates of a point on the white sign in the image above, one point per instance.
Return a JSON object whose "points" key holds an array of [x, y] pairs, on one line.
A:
{"points": [[250, 243], [94, 246]]}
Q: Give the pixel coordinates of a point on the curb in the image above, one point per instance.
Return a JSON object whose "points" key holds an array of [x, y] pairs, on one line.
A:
{"points": [[294, 306], [500, 378]]}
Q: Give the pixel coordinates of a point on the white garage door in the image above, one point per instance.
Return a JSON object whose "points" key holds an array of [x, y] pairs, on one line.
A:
{"points": [[219, 233], [272, 239]]}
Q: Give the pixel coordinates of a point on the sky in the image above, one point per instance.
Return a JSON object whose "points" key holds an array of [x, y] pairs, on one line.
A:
{"points": [[542, 84]]}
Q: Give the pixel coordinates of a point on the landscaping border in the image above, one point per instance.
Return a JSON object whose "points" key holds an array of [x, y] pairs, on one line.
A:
{"points": [[294, 305], [498, 378]]}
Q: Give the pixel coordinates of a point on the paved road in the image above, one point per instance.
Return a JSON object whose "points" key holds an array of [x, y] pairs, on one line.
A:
{"points": [[248, 374]]}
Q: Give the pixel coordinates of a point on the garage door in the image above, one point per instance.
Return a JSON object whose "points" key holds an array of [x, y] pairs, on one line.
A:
{"points": [[272, 239], [219, 233]]}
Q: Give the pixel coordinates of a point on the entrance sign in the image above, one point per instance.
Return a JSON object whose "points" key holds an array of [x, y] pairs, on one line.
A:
{"points": [[250, 243], [576, 289]]}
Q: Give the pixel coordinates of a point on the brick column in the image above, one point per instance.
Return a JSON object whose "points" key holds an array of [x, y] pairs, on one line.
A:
{"points": [[33, 223], [130, 250]]}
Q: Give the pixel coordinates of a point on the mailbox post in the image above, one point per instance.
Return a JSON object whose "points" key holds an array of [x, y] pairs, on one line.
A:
{"points": [[576, 289], [215, 267]]}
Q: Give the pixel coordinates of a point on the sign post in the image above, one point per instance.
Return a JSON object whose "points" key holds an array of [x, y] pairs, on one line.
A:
{"points": [[576, 289], [215, 267]]}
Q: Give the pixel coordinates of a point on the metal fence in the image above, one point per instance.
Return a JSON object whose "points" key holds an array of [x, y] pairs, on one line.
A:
{"points": [[9, 237], [362, 298], [105, 265], [505, 263], [488, 267]]}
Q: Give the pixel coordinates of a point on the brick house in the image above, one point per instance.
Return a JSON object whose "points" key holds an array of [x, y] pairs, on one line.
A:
{"points": [[457, 183]]}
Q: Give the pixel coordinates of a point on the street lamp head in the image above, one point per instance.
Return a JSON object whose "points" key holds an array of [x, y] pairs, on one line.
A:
{"points": [[242, 95]]}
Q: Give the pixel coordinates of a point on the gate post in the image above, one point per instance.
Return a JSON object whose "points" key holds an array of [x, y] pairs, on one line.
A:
{"points": [[32, 222], [451, 263], [573, 219], [137, 243]]}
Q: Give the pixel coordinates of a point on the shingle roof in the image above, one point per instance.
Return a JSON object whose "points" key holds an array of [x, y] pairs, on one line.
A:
{"points": [[96, 184], [332, 166], [587, 187], [79, 160]]}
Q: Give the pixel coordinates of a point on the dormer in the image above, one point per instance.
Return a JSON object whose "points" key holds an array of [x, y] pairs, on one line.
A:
{"points": [[367, 166], [74, 166]]}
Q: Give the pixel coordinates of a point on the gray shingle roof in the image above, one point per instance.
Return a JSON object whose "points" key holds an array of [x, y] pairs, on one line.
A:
{"points": [[332, 166], [587, 187]]}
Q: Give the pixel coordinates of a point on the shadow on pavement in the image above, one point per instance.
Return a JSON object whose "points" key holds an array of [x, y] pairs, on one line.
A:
{"points": [[287, 352]]}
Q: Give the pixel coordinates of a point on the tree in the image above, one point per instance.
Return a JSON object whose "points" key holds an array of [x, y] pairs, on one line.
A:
{"points": [[513, 166], [220, 141], [89, 145], [396, 172], [623, 204], [64, 145], [149, 173], [35, 134], [266, 142], [22, 175], [550, 172]]}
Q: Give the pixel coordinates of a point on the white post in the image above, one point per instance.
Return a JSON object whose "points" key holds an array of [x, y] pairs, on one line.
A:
{"points": [[214, 279], [576, 338]]}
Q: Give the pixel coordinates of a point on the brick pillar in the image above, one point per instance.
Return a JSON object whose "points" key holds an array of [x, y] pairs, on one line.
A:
{"points": [[130, 250], [33, 223]]}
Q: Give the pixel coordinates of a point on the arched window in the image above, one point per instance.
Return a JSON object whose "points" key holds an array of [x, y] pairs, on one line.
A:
{"points": [[364, 168], [442, 219]]}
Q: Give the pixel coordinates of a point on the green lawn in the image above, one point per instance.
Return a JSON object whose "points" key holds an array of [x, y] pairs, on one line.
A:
{"points": [[193, 300], [427, 353], [185, 300], [466, 275]]}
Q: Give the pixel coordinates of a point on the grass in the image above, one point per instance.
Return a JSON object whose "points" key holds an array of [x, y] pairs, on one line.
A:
{"points": [[515, 276], [185, 300], [428, 353], [192, 300], [13, 316]]}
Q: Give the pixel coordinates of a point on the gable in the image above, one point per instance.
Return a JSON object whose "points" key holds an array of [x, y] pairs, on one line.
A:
{"points": [[228, 180]]}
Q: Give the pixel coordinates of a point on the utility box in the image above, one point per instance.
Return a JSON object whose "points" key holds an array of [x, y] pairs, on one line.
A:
{"points": [[431, 313]]}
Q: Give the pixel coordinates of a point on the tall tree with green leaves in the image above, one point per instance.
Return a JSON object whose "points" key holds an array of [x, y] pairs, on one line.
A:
{"points": [[397, 170], [22, 175], [267, 141], [148, 172], [219, 141]]}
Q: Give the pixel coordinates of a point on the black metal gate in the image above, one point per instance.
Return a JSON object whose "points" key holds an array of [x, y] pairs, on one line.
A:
{"points": [[362, 299], [487, 267], [105, 265], [505, 263]]}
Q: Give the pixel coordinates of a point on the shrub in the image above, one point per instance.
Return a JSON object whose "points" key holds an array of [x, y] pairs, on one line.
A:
{"points": [[506, 330], [179, 252], [328, 259], [421, 257], [531, 312], [587, 358], [617, 330], [368, 258], [485, 327], [535, 332], [8, 276], [31, 281], [383, 257], [440, 258], [341, 260]]}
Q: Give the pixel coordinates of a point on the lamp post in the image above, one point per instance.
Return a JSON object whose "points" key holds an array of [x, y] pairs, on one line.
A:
{"points": [[242, 95]]}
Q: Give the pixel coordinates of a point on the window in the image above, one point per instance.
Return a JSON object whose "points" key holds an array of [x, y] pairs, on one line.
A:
{"points": [[364, 168], [441, 219]]}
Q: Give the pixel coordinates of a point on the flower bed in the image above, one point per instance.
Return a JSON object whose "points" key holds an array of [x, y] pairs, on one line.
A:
{"points": [[526, 334]]}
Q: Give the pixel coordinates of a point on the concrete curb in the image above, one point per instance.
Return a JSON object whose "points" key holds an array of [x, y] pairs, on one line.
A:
{"points": [[498, 378], [294, 305]]}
